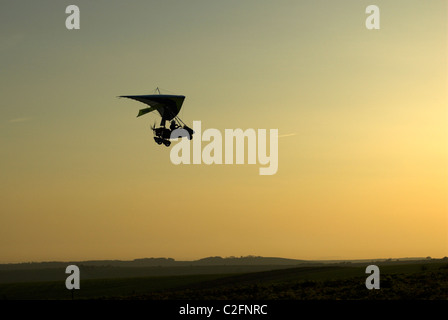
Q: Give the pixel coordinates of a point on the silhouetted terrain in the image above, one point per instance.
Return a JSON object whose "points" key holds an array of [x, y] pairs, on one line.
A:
{"points": [[425, 285], [400, 279], [100, 269], [426, 279]]}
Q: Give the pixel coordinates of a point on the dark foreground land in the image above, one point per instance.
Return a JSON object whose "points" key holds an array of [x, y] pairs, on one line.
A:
{"points": [[410, 280]]}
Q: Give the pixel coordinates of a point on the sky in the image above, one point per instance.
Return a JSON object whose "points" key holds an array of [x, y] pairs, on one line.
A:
{"points": [[361, 116]]}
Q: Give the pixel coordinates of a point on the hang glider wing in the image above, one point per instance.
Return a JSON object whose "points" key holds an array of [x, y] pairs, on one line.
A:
{"points": [[168, 106]]}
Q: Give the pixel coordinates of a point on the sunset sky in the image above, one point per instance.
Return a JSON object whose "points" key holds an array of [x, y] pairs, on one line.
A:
{"points": [[361, 115]]}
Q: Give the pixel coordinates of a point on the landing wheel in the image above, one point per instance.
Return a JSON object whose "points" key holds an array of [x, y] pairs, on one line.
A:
{"points": [[158, 140]]}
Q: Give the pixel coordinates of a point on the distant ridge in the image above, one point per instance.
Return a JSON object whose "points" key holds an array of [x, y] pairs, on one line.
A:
{"points": [[170, 262], [158, 262]]}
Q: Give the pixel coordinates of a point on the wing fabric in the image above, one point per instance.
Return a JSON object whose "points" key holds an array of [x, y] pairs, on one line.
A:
{"points": [[168, 106], [145, 111]]}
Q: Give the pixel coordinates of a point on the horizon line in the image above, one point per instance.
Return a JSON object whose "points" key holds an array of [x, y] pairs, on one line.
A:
{"points": [[231, 257]]}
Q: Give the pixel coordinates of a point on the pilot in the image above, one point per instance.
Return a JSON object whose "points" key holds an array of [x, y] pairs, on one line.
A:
{"points": [[173, 125]]}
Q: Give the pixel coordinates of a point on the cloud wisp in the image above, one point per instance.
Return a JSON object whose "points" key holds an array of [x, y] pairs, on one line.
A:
{"points": [[17, 120], [287, 135]]}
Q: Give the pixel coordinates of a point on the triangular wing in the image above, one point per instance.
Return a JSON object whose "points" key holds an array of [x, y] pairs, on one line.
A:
{"points": [[168, 106]]}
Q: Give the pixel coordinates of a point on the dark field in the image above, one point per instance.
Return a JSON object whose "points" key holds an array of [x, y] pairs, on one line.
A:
{"points": [[421, 280]]}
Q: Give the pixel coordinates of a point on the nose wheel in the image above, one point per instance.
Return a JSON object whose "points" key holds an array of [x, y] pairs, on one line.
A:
{"points": [[159, 141]]}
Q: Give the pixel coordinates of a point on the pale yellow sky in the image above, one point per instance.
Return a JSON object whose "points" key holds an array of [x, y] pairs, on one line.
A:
{"points": [[363, 114]]}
